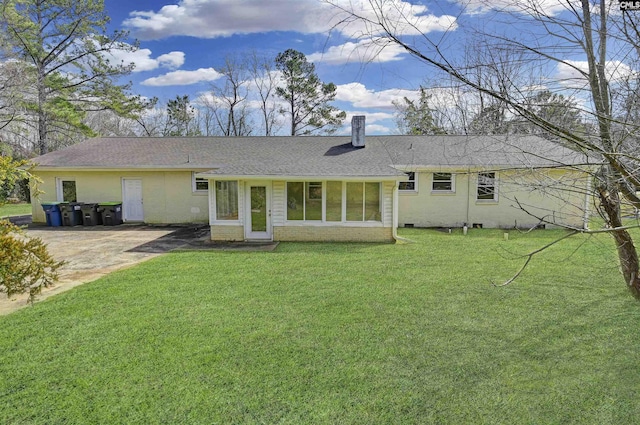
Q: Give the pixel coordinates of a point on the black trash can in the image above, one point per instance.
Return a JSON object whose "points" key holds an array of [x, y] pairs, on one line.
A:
{"points": [[52, 213], [90, 215], [71, 213], [111, 213]]}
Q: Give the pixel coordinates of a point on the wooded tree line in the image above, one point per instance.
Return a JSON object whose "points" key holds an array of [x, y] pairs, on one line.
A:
{"points": [[447, 114], [257, 96]]}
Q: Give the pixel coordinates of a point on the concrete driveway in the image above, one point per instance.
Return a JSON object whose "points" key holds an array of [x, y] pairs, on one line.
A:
{"points": [[92, 252]]}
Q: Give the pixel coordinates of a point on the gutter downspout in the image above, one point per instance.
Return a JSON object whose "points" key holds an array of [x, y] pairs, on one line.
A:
{"points": [[468, 193], [394, 233]]}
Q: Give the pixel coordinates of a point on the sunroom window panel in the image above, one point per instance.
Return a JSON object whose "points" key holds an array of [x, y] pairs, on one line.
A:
{"points": [[355, 198], [334, 201], [372, 202], [295, 201], [226, 200], [313, 201]]}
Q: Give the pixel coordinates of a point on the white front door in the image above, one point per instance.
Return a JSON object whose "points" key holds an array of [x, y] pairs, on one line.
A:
{"points": [[132, 200], [258, 211]]}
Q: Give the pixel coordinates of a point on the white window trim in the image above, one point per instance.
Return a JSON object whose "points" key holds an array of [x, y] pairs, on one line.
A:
{"points": [[59, 191], [495, 188], [194, 188], [415, 184], [444, 192]]}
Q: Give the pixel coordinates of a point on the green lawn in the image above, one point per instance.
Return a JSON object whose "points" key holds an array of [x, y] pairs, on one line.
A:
{"points": [[9, 210], [336, 334]]}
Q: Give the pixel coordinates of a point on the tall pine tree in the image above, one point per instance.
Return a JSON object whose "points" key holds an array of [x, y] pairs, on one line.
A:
{"points": [[65, 44], [306, 96]]}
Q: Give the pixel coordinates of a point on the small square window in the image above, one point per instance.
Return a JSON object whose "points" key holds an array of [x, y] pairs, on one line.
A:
{"points": [[486, 187], [442, 182], [409, 185], [200, 184]]}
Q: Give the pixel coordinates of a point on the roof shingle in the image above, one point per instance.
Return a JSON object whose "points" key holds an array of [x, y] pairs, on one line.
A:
{"points": [[310, 155]]}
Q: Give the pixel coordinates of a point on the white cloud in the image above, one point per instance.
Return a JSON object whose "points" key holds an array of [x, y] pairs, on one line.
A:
{"points": [[361, 97], [171, 60], [222, 18], [377, 129], [183, 78], [400, 18], [372, 117], [143, 60], [364, 51], [568, 72], [545, 7]]}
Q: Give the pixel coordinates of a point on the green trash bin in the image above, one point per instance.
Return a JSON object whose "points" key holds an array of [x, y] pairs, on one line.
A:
{"points": [[111, 213]]}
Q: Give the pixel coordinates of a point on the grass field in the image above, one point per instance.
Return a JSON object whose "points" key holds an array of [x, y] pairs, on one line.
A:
{"points": [[9, 210], [336, 333]]}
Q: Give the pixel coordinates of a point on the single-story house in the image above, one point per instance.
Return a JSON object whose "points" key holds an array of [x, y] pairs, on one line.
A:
{"points": [[336, 188]]}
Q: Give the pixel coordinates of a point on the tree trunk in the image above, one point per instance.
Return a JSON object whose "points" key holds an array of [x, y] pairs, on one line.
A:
{"points": [[42, 116], [627, 254], [43, 145]]}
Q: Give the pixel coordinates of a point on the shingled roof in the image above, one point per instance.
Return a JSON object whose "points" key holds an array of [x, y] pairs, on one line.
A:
{"points": [[331, 156]]}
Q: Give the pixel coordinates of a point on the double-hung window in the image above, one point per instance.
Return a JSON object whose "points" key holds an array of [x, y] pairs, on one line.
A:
{"points": [[487, 187], [409, 185], [199, 184], [443, 182]]}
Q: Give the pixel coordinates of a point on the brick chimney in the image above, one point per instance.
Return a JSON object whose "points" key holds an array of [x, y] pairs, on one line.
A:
{"points": [[357, 131]]}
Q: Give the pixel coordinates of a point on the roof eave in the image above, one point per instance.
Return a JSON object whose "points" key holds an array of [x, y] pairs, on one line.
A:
{"points": [[370, 178], [467, 168], [124, 168]]}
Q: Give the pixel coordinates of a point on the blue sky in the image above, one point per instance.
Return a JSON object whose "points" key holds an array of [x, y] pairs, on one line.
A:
{"points": [[182, 42]]}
